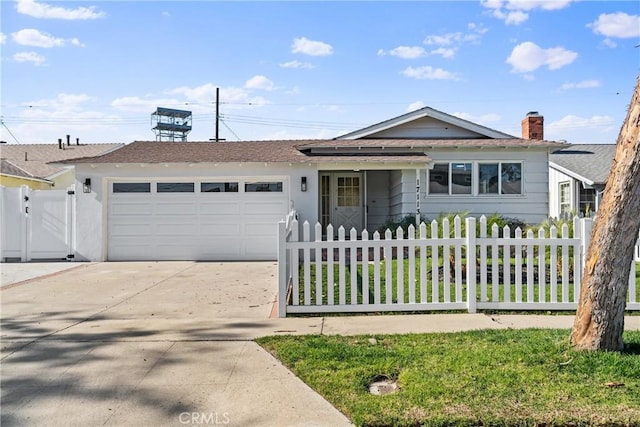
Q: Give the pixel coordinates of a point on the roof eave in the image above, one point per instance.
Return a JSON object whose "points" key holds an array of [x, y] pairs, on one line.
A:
{"points": [[572, 174]]}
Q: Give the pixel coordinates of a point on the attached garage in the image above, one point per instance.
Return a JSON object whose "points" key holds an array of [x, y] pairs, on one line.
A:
{"points": [[195, 219]]}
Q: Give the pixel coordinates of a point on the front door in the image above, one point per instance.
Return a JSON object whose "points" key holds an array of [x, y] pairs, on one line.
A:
{"points": [[347, 201]]}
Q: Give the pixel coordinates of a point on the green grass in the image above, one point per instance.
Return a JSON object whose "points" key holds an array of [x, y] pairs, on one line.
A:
{"points": [[418, 292], [498, 377]]}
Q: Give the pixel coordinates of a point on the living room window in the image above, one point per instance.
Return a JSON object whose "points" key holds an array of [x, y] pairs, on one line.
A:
{"points": [[458, 178]]}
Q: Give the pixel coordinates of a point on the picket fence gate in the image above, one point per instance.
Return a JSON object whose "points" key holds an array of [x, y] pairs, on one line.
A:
{"points": [[436, 267]]}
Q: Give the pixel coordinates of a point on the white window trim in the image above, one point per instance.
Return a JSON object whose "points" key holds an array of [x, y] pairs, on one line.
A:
{"points": [[570, 196]]}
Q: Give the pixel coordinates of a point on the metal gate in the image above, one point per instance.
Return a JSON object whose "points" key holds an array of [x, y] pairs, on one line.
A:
{"points": [[36, 224]]}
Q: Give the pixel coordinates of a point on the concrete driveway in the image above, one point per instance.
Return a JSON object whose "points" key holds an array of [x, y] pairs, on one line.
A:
{"points": [[134, 344]]}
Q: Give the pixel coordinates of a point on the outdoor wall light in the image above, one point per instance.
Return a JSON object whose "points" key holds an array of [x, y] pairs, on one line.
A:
{"points": [[86, 186], [303, 183]]}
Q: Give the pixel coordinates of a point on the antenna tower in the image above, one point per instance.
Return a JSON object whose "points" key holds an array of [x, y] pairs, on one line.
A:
{"points": [[171, 125]]}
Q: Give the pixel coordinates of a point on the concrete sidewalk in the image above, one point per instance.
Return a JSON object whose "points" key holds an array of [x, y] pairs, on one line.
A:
{"points": [[134, 344]]}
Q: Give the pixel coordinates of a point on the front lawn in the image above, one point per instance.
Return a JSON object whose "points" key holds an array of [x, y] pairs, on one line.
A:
{"points": [[444, 293], [498, 377]]}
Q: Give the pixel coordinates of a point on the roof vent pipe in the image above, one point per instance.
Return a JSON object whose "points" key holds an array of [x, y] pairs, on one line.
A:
{"points": [[68, 140], [60, 143], [77, 141]]}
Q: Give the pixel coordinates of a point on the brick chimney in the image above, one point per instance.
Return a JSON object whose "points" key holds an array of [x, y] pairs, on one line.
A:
{"points": [[533, 126]]}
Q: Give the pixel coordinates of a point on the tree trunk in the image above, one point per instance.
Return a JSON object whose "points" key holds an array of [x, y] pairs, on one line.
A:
{"points": [[599, 321]]}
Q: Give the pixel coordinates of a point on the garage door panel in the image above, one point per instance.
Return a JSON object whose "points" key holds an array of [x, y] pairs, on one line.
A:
{"points": [[227, 249], [131, 229], [194, 226], [266, 229], [261, 248], [175, 208], [220, 208], [132, 251], [264, 208], [131, 208], [222, 229]]}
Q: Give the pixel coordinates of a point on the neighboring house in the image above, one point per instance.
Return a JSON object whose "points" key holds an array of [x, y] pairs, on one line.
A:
{"points": [[222, 200], [29, 164], [577, 177]]}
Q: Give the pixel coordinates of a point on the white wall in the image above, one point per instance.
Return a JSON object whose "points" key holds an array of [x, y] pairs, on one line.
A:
{"points": [[91, 208], [555, 178]]}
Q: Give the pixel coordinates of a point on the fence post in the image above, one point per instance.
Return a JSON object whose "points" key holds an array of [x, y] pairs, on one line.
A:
{"points": [[282, 269], [586, 226], [471, 264]]}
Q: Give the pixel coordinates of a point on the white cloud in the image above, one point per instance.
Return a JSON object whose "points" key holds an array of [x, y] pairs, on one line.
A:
{"points": [[429, 73], [3, 38], [88, 125], [415, 106], [609, 43], [450, 43], [259, 82], [311, 47], [33, 37], [47, 11], [569, 122], [444, 52], [483, 119], [165, 13], [297, 64], [584, 84], [136, 104], [515, 12], [202, 97], [32, 57], [405, 52], [63, 101], [528, 56], [618, 25]]}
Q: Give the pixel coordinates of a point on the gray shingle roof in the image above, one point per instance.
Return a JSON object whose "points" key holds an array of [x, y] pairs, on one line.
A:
{"points": [[8, 168], [588, 162], [35, 159], [295, 151]]}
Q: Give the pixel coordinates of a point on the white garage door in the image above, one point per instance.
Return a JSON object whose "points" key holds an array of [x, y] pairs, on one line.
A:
{"points": [[195, 220]]}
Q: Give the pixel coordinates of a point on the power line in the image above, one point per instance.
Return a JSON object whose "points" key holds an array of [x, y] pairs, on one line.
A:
{"points": [[230, 130], [9, 130]]}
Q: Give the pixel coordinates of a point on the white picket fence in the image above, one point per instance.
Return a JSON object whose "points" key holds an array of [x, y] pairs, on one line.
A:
{"points": [[428, 269]]}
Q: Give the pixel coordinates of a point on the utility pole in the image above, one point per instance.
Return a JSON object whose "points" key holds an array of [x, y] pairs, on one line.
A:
{"points": [[217, 112]]}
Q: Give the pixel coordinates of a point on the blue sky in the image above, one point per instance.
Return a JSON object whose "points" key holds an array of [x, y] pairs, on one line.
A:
{"points": [[97, 70]]}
